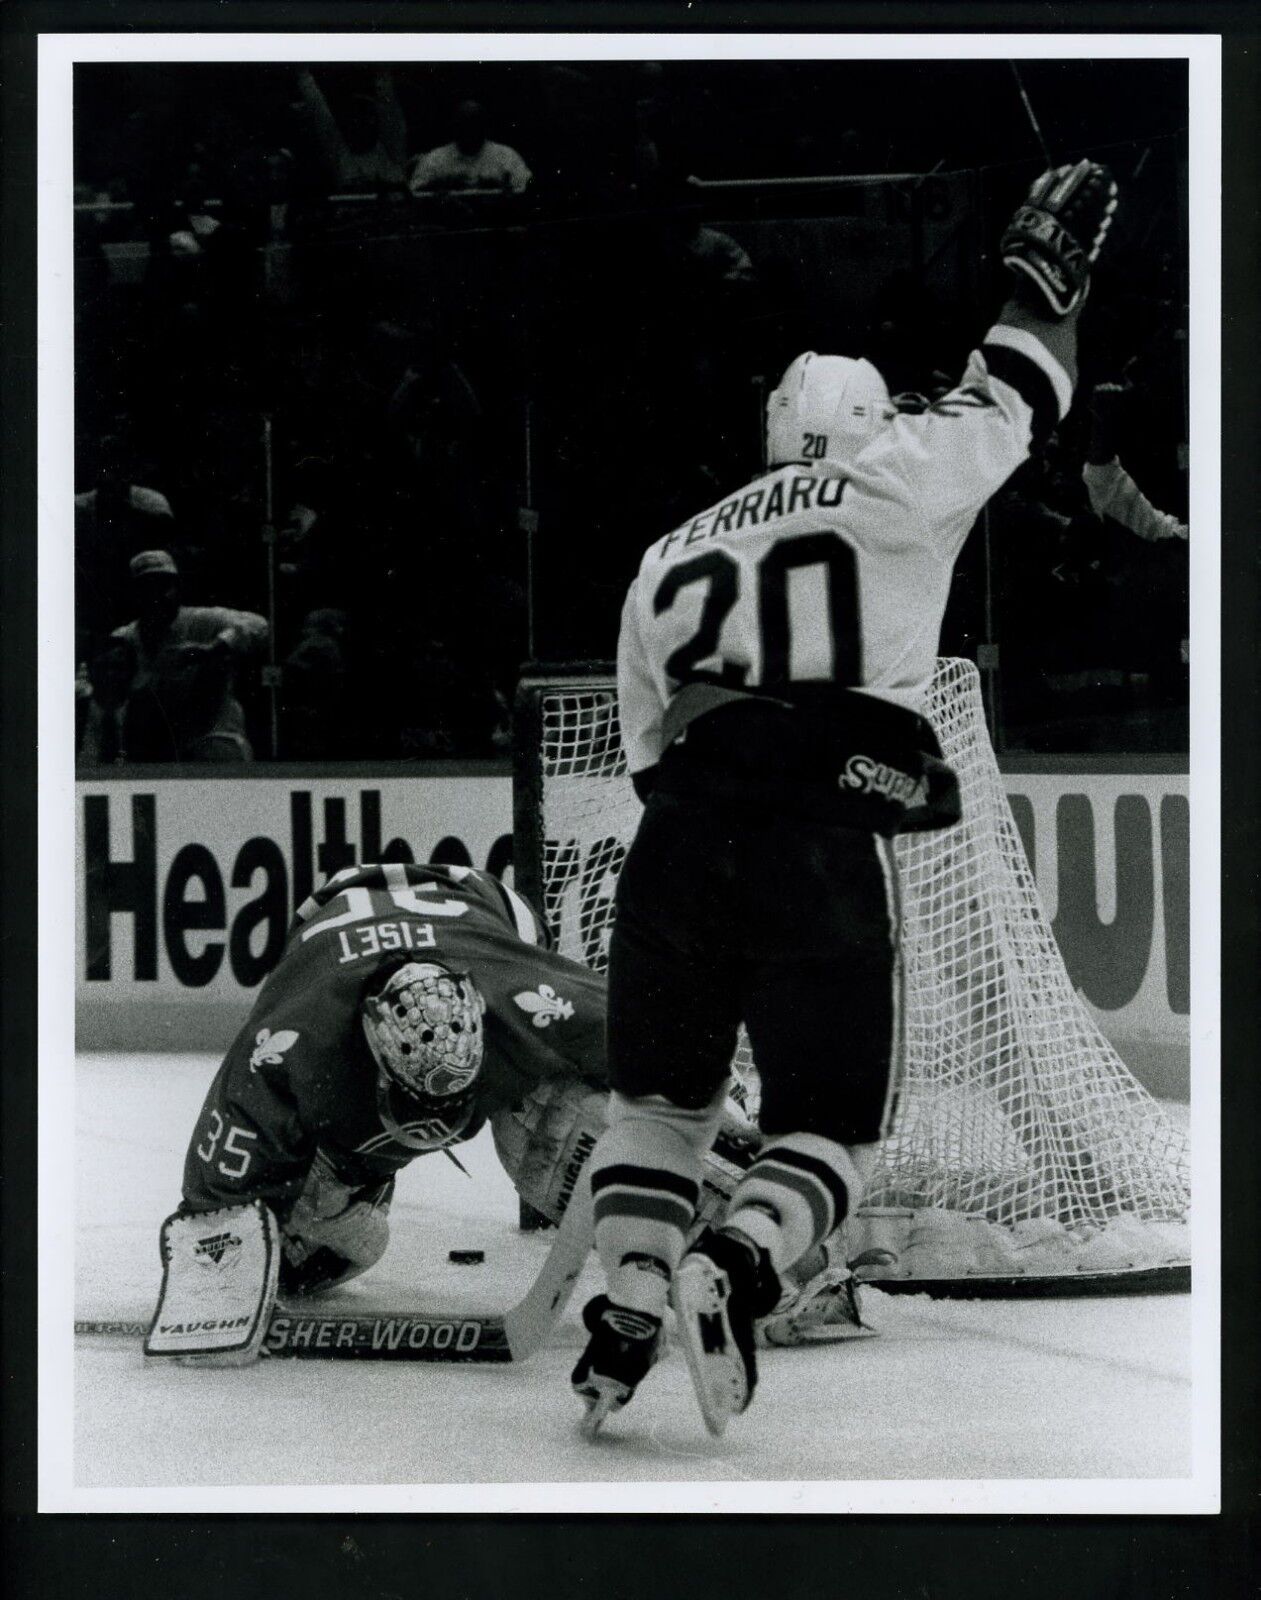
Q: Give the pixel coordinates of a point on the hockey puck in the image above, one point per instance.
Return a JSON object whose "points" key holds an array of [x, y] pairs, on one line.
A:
{"points": [[466, 1258]]}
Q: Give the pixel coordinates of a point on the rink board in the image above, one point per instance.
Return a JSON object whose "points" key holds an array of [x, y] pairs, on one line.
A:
{"points": [[186, 882]]}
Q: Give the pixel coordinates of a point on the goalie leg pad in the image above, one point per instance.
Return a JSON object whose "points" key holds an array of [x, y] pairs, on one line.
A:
{"points": [[545, 1143], [219, 1277]]}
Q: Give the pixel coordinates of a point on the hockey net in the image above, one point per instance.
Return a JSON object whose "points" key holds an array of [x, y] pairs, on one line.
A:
{"points": [[1023, 1156]]}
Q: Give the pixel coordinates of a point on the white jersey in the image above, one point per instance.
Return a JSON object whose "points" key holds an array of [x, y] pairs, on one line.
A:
{"points": [[811, 573]]}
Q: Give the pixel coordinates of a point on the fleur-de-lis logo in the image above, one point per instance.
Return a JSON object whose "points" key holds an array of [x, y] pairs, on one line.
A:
{"points": [[544, 1005], [269, 1047]]}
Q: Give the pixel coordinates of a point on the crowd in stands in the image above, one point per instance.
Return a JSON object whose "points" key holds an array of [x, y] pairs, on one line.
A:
{"points": [[318, 421]]}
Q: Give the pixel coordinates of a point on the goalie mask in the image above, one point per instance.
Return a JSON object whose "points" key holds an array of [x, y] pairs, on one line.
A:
{"points": [[424, 1027], [826, 408]]}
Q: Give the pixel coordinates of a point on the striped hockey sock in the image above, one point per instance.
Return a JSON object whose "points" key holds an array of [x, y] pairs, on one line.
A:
{"points": [[792, 1197], [645, 1185]]}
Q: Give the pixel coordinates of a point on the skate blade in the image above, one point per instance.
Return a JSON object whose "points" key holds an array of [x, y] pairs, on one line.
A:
{"points": [[717, 1371], [780, 1332]]}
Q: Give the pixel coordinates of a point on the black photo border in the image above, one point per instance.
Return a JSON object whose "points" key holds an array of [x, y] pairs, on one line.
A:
{"points": [[598, 1557]]}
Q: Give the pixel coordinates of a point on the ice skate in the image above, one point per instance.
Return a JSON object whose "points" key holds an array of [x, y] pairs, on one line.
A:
{"points": [[722, 1286], [623, 1346]]}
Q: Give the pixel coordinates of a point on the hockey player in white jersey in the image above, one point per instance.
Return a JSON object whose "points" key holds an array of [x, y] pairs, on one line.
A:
{"points": [[774, 655]]}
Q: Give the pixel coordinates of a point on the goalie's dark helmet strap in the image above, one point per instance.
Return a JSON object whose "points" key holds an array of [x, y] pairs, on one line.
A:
{"points": [[423, 1126]]}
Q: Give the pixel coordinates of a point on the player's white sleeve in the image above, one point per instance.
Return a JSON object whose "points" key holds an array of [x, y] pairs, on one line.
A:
{"points": [[1113, 493], [947, 461], [640, 705]]}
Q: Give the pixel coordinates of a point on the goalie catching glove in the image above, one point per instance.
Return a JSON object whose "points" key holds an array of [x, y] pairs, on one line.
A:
{"points": [[334, 1231], [1056, 235]]}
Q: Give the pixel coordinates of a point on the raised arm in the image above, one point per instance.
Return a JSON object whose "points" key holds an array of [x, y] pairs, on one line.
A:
{"points": [[1019, 384], [1113, 493]]}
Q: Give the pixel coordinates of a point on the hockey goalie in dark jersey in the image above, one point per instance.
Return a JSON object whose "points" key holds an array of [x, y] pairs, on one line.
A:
{"points": [[410, 1005]]}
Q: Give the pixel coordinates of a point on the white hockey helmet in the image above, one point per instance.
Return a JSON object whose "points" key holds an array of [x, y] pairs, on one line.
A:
{"points": [[424, 1027], [826, 408]]}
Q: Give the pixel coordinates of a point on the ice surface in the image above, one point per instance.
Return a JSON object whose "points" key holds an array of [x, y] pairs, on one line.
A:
{"points": [[1067, 1389]]}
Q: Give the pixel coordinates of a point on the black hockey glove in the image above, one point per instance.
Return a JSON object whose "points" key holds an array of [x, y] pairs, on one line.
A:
{"points": [[1057, 233]]}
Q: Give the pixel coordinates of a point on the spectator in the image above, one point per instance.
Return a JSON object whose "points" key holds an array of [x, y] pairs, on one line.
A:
{"points": [[907, 339], [182, 701], [113, 520], [310, 545], [649, 121], [574, 141], [366, 149], [471, 160], [318, 718], [102, 690], [1113, 493], [451, 707], [434, 427], [717, 255], [116, 507]]}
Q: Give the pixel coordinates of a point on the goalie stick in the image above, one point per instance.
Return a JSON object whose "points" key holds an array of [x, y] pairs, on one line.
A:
{"points": [[425, 1335]]}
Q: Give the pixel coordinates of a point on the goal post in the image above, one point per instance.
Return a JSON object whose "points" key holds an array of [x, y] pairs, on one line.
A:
{"points": [[1024, 1157]]}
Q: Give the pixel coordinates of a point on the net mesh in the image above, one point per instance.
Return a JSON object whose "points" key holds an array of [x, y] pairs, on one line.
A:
{"points": [[1020, 1142]]}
